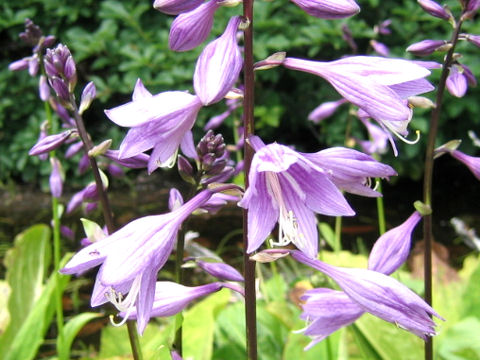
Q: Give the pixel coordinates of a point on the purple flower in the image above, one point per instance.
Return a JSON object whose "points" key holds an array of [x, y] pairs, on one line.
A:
{"points": [[56, 181], [434, 9], [135, 162], [426, 47], [391, 249], [328, 9], [285, 186], [378, 139], [191, 28], [474, 39], [219, 65], [43, 88], [380, 48], [376, 85], [130, 259], [159, 122], [174, 7], [473, 163], [221, 271], [325, 110], [383, 27], [380, 295], [457, 83], [50, 142]]}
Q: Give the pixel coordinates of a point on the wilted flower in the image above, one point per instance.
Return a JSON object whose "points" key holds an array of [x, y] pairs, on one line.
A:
{"points": [[325, 110], [290, 187], [130, 259], [219, 65], [328, 9], [160, 122]]}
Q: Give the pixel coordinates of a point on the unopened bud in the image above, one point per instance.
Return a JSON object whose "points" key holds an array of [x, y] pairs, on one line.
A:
{"points": [[270, 62], [421, 102], [43, 88], [185, 170], [434, 9], [266, 257], [446, 148], [100, 149], [49, 143], [422, 208], [88, 95]]}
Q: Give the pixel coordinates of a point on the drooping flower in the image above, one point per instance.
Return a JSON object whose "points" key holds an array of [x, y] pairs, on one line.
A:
{"points": [[380, 295], [190, 29], [219, 65], [130, 259], [378, 139], [328, 9], [290, 187], [473, 163], [376, 85], [159, 122]]}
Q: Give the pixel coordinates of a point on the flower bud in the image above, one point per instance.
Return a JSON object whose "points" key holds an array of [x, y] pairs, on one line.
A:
{"points": [[348, 37], [100, 149], [185, 170], [190, 29], [88, 95], [43, 88], [175, 7], [19, 65], [325, 110], [426, 47], [221, 271], [421, 102], [456, 82], [33, 65], [32, 33], [379, 48], [434, 9], [328, 9], [472, 7], [49, 143], [219, 65], [73, 149], [56, 178], [472, 81], [60, 88], [175, 199]]}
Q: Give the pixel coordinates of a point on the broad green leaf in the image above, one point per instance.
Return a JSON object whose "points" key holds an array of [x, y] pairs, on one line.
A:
{"points": [[461, 341], [71, 329], [5, 291], [230, 332], [199, 326], [26, 263]]}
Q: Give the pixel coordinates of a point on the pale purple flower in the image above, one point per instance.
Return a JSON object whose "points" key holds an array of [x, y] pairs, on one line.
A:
{"points": [[328, 9], [88, 193], [130, 259], [473, 163], [426, 47], [50, 142], [376, 85], [67, 232], [326, 311], [457, 83], [286, 187], [471, 9], [380, 295], [474, 39], [219, 65], [348, 37], [434, 9], [378, 139], [135, 162], [219, 270], [383, 27], [380, 48], [392, 248], [160, 122], [89, 93], [175, 7], [43, 88], [325, 110], [56, 178], [191, 28], [472, 81]]}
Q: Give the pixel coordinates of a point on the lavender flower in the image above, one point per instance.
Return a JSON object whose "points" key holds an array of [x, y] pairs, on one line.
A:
{"points": [[290, 187], [191, 28], [457, 83], [434, 9], [474, 39], [426, 47], [50, 142], [56, 178], [160, 122], [383, 27], [175, 7], [380, 48], [378, 139], [325, 110], [376, 85], [219, 65], [328, 9], [473, 163], [130, 259], [380, 295]]}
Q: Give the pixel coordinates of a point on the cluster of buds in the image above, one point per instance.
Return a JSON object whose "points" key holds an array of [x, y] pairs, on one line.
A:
{"points": [[211, 153], [61, 71]]}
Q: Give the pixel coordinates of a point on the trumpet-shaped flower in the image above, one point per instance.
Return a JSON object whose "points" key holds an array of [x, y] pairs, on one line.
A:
{"points": [[219, 65], [290, 187], [376, 85], [473, 163], [130, 259], [380, 295], [328, 9], [159, 122], [175, 7]]}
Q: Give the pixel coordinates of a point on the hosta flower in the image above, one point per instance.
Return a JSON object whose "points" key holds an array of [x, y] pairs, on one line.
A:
{"points": [[130, 259], [457, 83], [378, 142], [376, 85], [174, 7], [191, 28], [380, 295], [219, 65], [426, 47], [473, 163], [434, 9], [325, 110], [328, 9], [159, 122], [380, 48], [290, 187], [55, 180]]}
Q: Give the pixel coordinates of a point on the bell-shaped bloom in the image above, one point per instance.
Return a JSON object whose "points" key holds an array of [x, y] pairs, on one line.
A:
{"points": [[175, 7], [325, 110], [219, 65], [380, 295], [426, 47], [376, 85], [457, 83], [326, 311], [328, 9], [473, 163], [159, 122], [286, 187], [130, 259], [391, 249], [380, 48], [434, 9], [191, 28], [350, 170]]}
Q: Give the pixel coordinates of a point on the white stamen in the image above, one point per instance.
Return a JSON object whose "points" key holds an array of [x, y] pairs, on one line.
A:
{"points": [[126, 305]]}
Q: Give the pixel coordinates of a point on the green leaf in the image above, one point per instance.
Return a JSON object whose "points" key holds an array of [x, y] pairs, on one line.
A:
{"points": [[26, 265], [199, 326], [71, 329], [461, 341], [327, 234]]}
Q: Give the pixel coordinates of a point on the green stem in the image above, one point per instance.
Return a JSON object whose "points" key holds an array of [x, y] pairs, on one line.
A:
{"points": [[338, 235], [428, 177], [380, 209], [248, 122]]}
